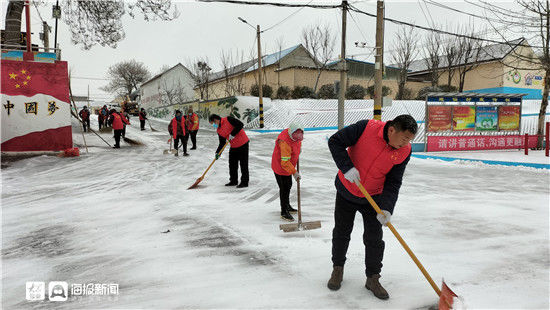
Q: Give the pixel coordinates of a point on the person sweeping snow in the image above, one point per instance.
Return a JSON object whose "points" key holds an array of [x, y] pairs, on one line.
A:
{"points": [[118, 120], [374, 154], [230, 128], [177, 130], [285, 156]]}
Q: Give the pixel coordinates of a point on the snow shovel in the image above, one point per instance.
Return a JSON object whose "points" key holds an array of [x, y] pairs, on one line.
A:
{"points": [[202, 176], [170, 150], [445, 294], [300, 225]]}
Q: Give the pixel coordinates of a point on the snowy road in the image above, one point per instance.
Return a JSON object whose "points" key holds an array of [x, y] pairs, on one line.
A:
{"points": [[99, 218]]}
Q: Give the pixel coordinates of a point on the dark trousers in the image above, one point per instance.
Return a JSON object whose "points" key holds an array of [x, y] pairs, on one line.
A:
{"points": [[193, 134], [236, 156], [183, 139], [285, 184], [86, 124], [100, 121], [344, 215], [118, 133], [124, 131], [142, 123]]}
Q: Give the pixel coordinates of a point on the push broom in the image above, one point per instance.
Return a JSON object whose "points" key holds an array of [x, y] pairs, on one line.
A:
{"points": [[446, 295]]}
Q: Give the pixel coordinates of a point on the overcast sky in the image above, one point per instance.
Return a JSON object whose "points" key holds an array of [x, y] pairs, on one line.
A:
{"points": [[205, 29]]}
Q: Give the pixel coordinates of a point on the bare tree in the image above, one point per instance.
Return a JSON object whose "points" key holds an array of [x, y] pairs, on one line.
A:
{"points": [[172, 91], [531, 20], [469, 51], [320, 42], [405, 50], [432, 58], [94, 22], [201, 72], [125, 77], [450, 49]]}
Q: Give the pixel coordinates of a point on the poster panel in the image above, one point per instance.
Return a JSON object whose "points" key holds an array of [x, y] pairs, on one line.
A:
{"points": [[487, 118], [464, 118], [508, 118], [439, 118]]}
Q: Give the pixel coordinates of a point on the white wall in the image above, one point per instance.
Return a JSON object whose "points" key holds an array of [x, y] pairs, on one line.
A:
{"points": [[178, 79]]}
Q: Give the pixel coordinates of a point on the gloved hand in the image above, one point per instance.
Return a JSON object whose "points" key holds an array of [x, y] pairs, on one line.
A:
{"points": [[231, 137], [384, 219], [353, 175], [297, 176], [217, 156]]}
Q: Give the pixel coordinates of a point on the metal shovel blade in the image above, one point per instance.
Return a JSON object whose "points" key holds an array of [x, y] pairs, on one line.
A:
{"points": [[300, 226]]}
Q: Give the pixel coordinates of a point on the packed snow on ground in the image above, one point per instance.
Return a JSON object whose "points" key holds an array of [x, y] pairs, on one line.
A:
{"points": [[99, 218]]}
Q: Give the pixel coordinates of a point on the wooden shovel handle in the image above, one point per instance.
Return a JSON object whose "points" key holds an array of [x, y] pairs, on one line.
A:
{"points": [[212, 163], [403, 243]]}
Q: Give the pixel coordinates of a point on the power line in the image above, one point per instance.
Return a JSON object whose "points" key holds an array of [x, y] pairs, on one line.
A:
{"points": [[315, 6], [289, 16], [358, 28], [88, 78], [439, 30]]}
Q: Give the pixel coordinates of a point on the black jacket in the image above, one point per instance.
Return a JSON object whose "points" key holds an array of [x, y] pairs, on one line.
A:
{"points": [[348, 136]]}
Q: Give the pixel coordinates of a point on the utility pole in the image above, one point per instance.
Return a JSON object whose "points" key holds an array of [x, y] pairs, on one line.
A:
{"points": [[56, 13], [260, 85], [342, 91], [379, 60], [46, 30]]}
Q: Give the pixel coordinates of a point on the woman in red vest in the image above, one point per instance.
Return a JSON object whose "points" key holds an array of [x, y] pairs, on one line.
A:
{"points": [[118, 120], [230, 128], [193, 120], [283, 163], [177, 130], [375, 154]]}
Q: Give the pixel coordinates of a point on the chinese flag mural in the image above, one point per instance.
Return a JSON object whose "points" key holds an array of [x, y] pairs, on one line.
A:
{"points": [[35, 106]]}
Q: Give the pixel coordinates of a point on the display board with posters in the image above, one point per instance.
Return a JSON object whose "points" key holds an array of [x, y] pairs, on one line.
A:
{"points": [[472, 121]]}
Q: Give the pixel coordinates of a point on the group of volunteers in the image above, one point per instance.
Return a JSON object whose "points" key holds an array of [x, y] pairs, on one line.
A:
{"points": [[370, 152]]}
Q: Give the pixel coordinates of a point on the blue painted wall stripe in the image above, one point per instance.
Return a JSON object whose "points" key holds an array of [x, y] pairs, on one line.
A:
{"points": [[489, 162]]}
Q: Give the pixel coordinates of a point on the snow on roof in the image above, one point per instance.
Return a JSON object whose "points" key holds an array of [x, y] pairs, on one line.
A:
{"points": [[487, 53], [273, 58]]}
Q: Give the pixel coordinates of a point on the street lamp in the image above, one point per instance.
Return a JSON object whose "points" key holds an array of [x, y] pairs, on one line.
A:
{"points": [[260, 88]]}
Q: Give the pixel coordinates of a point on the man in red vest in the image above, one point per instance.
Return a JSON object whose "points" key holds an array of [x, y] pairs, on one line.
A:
{"points": [[118, 120], [193, 120], [230, 128], [177, 130], [85, 116], [283, 163], [375, 154], [142, 118]]}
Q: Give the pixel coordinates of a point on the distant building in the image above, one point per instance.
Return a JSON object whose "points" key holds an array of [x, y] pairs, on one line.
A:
{"points": [[173, 86], [494, 71]]}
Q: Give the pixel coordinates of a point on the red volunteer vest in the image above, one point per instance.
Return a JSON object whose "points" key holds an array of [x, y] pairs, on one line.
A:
{"points": [[194, 122], [225, 130], [118, 121], [141, 116], [276, 157], [374, 158], [175, 126]]}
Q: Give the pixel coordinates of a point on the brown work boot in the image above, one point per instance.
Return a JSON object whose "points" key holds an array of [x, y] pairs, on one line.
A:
{"points": [[335, 280], [376, 288]]}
